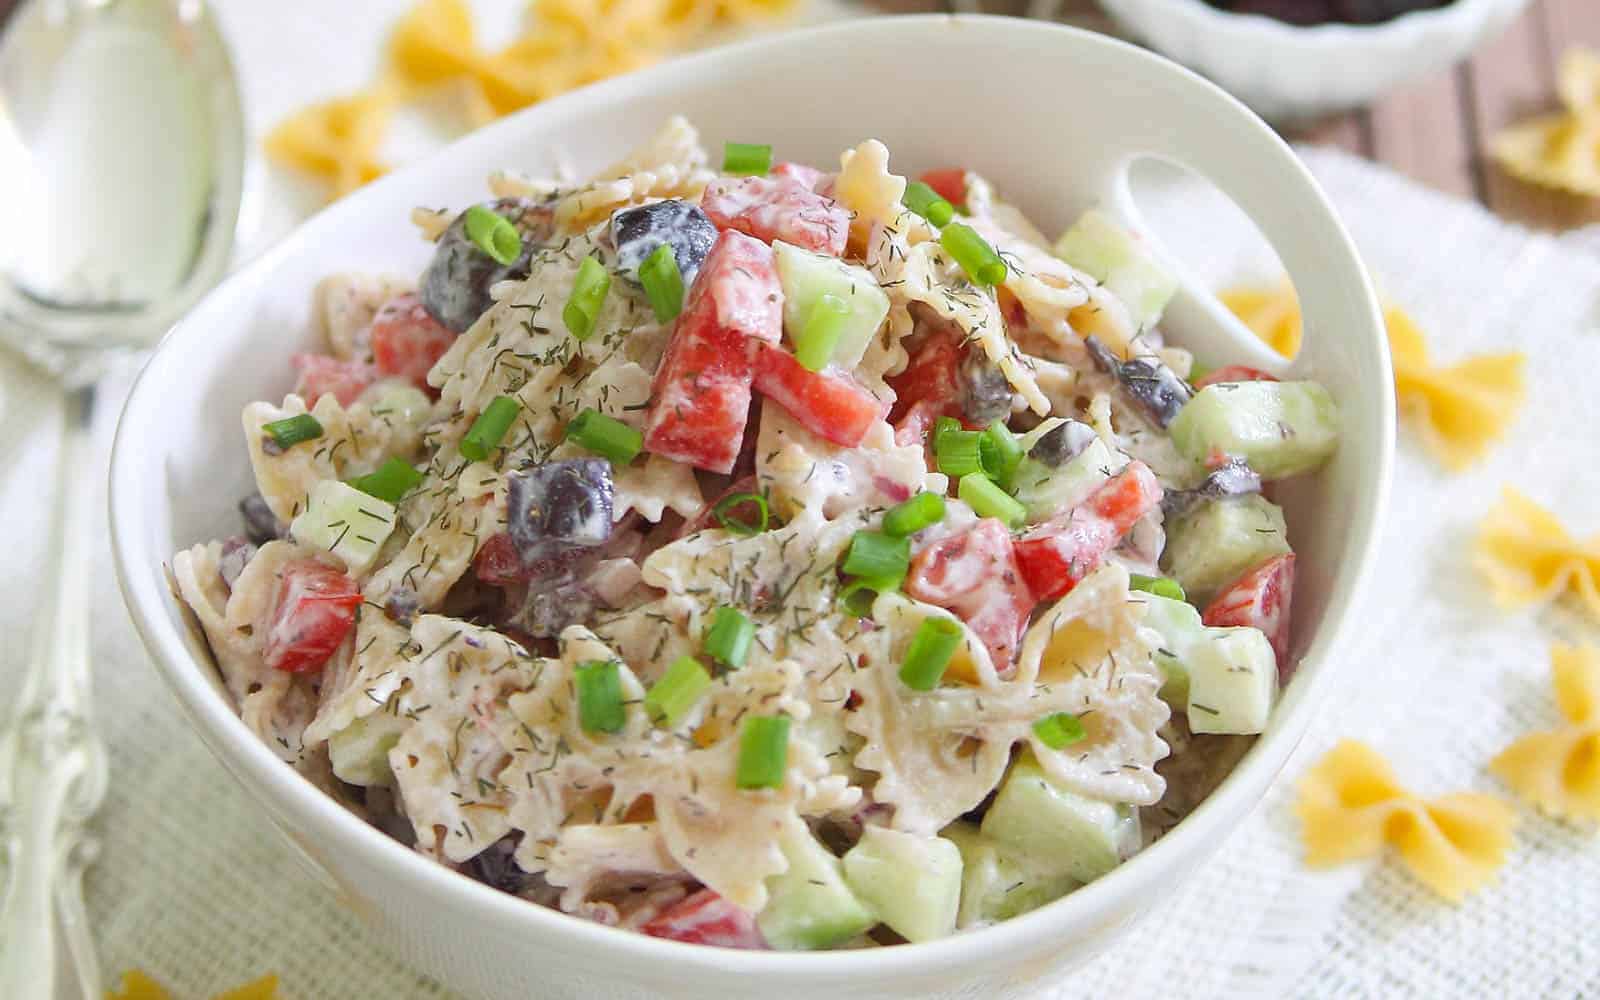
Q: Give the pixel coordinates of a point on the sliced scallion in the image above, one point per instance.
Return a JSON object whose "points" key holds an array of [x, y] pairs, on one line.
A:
{"points": [[494, 234], [973, 253], [670, 697], [857, 596], [728, 639], [1059, 730], [959, 453], [588, 295], [928, 203], [490, 427], [913, 515], [877, 556], [605, 436], [663, 283], [980, 493], [929, 653], [746, 158], [824, 324], [1160, 586], [763, 752], [392, 480], [599, 686], [728, 513], [943, 426], [290, 431], [1001, 451]]}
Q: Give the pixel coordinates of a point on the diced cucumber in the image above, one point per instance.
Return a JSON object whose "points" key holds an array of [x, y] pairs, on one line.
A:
{"points": [[1115, 257], [1046, 491], [1213, 543], [359, 752], [806, 276], [994, 885], [810, 906], [912, 883], [1179, 624], [1280, 428], [346, 522], [1233, 680], [1059, 830], [400, 402]]}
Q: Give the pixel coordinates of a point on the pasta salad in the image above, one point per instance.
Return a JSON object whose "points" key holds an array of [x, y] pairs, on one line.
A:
{"points": [[765, 556]]}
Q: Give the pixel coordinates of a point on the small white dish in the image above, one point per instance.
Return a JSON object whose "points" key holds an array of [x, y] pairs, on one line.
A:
{"points": [[1284, 71], [933, 88]]}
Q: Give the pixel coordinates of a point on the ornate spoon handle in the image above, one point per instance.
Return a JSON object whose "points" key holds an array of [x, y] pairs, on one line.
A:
{"points": [[52, 765]]}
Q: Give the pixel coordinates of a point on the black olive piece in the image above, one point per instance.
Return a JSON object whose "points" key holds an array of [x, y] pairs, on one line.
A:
{"points": [[261, 525], [1062, 443], [455, 284], [1233, 478], [1153, 387], [559, 505], [637, 232], [985, 395]]}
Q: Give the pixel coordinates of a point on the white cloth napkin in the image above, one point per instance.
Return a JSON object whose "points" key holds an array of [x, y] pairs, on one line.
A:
{"points": [[196, 889]]}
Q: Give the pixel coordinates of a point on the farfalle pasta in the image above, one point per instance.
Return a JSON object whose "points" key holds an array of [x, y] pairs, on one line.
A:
{"points": [[1527, 557], [1560, 150], [683, 544], [1558, 770], [1351, 807]]}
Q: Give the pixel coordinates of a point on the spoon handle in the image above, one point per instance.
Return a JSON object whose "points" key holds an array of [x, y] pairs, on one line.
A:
{"points": [[52, 765]]}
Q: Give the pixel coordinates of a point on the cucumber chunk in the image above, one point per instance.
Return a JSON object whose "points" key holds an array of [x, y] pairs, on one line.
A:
{"points": [[809, 906], [996, 886], [1115, 257], [1059, 830], [1215, 542], [401, 403], [1233, 681], [806, 276], [911, 883], [1179, 624], [346, 522], [1047, 492], [359, 752], [1280, 428]]}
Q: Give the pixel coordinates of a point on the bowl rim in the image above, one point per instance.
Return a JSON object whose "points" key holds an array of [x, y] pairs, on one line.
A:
{"points": [[311, 812], [1328, 33]]}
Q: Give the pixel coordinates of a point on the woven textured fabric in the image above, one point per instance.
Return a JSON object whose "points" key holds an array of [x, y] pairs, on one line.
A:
{"points": [[196, 889]]}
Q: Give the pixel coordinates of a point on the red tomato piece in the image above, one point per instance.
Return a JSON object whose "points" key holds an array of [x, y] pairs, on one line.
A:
{"points": [[950, 183], [707, 918], [321, 375], [778, 208], [407, 341], [1234, 373], [498, 563], [316, 609], [700, 402], [811, 177], [931, 376], [975, 576], [1062, 551], [828, 403], [1260, 599]]}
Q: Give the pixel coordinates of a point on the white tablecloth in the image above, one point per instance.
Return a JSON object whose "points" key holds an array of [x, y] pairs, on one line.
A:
{"points": [[194, 887]]}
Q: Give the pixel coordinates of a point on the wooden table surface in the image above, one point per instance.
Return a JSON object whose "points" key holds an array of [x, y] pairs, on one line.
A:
{"points": [[1436, 129]]}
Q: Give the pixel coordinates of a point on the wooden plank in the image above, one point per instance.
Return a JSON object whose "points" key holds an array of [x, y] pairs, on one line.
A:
{"points": [[1568, 23], [1351, 132], [1421, 131]]}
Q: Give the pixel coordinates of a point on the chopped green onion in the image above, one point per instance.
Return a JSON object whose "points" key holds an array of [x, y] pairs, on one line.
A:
{"points": [[729, 637], [1198, 371], [928, 203], [929, 653], [763, 751], [393, 480], [489, 428], [943, 426], [588, 294], [494, 234], [1059, 730], [973, 253], [959, 453], [913, 515], [877, 556], [290, 431], [670, 697], [725, 514], [599, 685], [1160, 586], [663, 283], [605, 436], [856, 597], [746, 158], [988, 500], [824, 324], [1000, 452]]}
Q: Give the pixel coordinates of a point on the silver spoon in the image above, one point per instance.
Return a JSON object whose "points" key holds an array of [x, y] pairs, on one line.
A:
{"points": [[121, 149]]}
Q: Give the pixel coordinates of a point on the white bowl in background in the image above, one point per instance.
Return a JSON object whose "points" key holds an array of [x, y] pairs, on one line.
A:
{"points": [[1077, 109], [1284, 71]]}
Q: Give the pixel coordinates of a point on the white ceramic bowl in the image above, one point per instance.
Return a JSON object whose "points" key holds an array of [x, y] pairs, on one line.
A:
{"points": [[1284, 71], [1076, 109]]}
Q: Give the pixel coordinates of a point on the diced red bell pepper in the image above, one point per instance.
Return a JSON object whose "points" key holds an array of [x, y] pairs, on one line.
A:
{"points": [[407, 340], [1260, 599], [321, 375], [828, 403], [1062, 551], [778, 208], [811, 177], [498, 563], [700, 401], [707, 918], [930, 382], [950, 183], [316, 609], [1234, 373], [975, 576]]}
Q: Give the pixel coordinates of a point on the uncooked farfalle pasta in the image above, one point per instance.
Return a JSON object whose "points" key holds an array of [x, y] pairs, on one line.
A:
{"points": [[1558, 770], [764, 556], [1528, 557]]}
